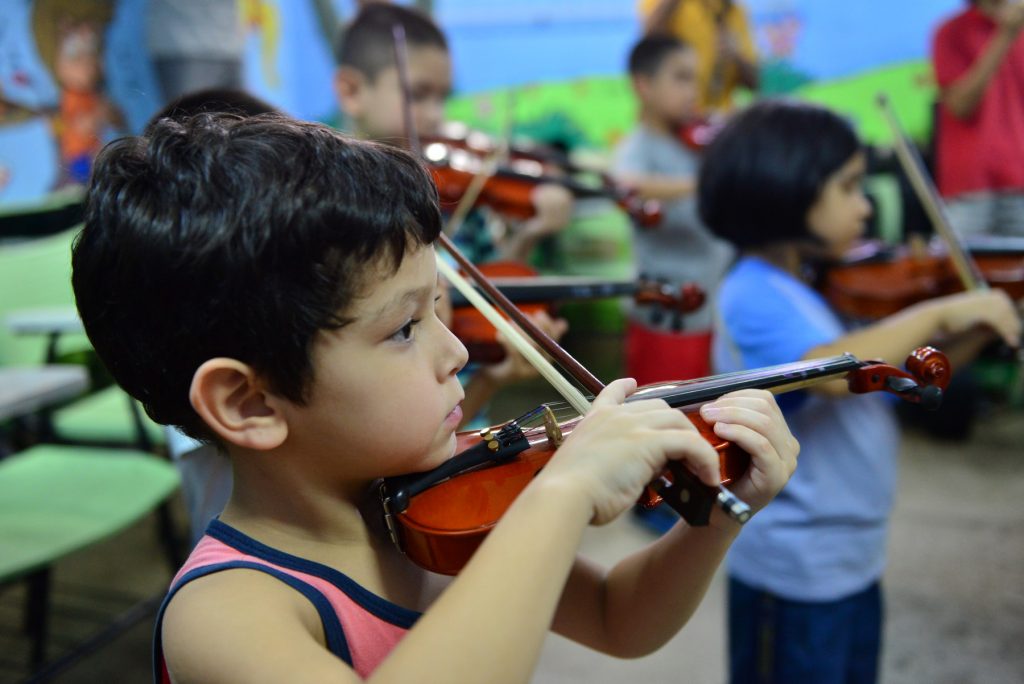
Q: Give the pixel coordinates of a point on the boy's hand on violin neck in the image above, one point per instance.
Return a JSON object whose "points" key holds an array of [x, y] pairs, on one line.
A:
{"points": [[618, 448], [752, 420], [992, 308]]}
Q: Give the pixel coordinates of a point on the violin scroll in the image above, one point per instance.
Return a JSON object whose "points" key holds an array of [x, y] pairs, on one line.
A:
{"points": [[688, 299], [927, 376]]}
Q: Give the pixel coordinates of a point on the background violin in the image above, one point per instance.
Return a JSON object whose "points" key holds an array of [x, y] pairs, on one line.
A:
{"points": [[532, 293], [508, 187], [874, 289], [696, 134], [439, 518], [874, 282]]}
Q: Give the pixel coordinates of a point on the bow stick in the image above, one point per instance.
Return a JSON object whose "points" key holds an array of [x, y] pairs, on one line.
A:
{"points": [[913, 166]]}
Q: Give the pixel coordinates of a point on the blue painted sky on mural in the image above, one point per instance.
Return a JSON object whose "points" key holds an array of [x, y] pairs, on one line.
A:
{"points": [[499, 43]]}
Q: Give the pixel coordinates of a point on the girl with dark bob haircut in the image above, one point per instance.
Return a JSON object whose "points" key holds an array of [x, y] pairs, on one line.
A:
{"points": [[783, 183], [764, 155]]}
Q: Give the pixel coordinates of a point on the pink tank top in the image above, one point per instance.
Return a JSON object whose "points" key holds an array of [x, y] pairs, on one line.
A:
{"points": [[360, 627]]}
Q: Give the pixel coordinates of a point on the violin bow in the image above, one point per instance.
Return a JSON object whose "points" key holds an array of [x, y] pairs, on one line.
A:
{"points": [[966, 268], [684, 481], [543, 366]]}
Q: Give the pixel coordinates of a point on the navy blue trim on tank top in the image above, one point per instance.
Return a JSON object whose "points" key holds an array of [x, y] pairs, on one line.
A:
{"points": [[334, 635], [376, 605]]}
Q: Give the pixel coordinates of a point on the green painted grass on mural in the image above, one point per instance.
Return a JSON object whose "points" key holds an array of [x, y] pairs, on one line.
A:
{"points": [[598, 111]]}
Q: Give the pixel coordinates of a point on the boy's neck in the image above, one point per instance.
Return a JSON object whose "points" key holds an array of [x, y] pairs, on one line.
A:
{"points": [[321, 512], [656, 123]]}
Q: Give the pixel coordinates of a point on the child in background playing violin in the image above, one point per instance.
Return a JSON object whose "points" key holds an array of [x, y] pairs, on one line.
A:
{"points": [[654, 161], [313, 355], [782, 182], [369, 92]]}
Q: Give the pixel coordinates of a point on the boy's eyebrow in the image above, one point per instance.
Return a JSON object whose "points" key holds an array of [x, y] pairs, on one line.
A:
{"points": [[414, 295]]}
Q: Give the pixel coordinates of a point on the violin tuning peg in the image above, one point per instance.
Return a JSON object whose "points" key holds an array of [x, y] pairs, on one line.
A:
{"points": [[928, 396]]}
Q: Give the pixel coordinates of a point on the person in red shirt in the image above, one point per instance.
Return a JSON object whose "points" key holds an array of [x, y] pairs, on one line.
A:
{"points": [[978, 56]]}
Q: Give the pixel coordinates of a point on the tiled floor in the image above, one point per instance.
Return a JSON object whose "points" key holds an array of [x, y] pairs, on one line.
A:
{"points": [[955, 584]]}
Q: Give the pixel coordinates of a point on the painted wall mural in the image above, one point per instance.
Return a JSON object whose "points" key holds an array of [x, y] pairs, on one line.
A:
{"points": [[75, 73]]}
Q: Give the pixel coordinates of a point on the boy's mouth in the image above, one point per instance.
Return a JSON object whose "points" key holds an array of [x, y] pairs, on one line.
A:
{"points": [[454, 417]]}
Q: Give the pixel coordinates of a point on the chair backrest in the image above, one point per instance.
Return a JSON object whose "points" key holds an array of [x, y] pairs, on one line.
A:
{"points": [[35, 274]]}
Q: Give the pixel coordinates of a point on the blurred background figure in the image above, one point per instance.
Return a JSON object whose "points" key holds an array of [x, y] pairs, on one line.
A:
{"points": [[978, 56], [720, 32], [194, 45]]}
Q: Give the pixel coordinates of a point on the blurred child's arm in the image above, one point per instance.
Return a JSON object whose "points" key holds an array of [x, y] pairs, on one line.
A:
{"points": [[963, 95], [645, 599], [483, 385], [553, 204], [972, 318], [658, 187]]}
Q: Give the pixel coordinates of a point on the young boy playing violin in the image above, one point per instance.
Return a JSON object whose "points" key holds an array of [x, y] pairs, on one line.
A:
{"points": [[782, 182], [369, 91], [660, 166], [368, 88], [302, 337]]}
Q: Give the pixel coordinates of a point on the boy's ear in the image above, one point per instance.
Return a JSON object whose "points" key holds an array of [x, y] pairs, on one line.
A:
{"points": [[642, 86], [232, 400], [349, 84]]}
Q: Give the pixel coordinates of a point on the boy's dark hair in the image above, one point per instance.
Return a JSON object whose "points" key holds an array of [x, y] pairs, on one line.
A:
{"points": [[650, 51], [236, 237], [367, 43], [764, 171], [210, 100]]}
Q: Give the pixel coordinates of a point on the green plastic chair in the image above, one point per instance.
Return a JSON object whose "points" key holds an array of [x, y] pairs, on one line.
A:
{"points": [[56, 499], [36, 274]]}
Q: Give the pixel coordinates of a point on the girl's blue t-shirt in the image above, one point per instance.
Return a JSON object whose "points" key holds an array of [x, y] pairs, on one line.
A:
{"points": [[823, 537]]}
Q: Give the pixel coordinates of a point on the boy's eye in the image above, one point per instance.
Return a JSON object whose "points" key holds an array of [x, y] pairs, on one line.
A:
{"points": [[404, 334]]}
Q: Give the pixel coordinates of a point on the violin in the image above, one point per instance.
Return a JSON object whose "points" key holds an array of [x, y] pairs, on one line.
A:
{"points": [[508, 189], [698, 133], [875, 289], [533, 293], [457, 134], [874, 282], [440, 517]]}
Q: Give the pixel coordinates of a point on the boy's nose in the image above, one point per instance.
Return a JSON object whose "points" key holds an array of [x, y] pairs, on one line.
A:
{"points": [[456, 354]]}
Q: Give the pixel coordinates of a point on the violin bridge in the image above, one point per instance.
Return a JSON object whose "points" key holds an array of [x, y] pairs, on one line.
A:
{"points": [[551, 428]]}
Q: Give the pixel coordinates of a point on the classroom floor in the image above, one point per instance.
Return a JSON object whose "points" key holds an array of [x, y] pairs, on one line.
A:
{"points": [[955, 582]]}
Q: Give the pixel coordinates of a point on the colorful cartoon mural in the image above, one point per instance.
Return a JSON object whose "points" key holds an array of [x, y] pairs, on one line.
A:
{"points": [[74, 73]]}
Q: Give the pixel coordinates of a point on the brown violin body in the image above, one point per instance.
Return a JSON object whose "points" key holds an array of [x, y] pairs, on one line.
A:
{"points": [[439, 525], [509, 189], [877, 287], [443, 526]]}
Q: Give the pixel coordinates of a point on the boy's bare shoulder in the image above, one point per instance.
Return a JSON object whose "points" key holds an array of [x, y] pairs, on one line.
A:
{"points": [[243, 625]]}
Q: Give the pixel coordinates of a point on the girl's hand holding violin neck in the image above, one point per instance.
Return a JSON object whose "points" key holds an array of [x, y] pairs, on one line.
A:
{"points": [[618, 448], [962, 312], [753, 421]]}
